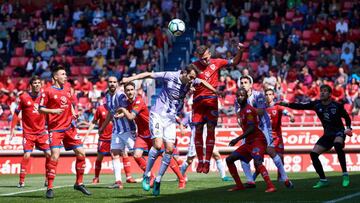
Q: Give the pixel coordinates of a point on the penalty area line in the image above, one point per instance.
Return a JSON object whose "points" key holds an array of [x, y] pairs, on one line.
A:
{"points": [[36, 190], [343, 198]]}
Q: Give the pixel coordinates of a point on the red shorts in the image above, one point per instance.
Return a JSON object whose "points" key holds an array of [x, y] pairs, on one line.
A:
{"points": [[104, 147], [247, 151], [68, 138], [41, 142], [278, 144], [205, 110], [143, 143]]}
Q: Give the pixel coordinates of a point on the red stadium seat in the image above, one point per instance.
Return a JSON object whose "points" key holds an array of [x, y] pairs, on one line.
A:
{"points": [[85, 70], [348, 108], [245, 56], [312, 64], [289, 15], [306, 34], [250, 36], [254, 25], [75, 70], [256, 15], [309, 121], [8, 71], [309, 113], [347, 6], [18, 61], [19, 51]]}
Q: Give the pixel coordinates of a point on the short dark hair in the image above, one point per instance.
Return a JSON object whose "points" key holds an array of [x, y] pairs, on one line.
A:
{"points": [[189, 68], [327, 87], [56, 69], [248, 77], [270, 89], [200, 50], [117, 79], [129, 83], [34, 78]]}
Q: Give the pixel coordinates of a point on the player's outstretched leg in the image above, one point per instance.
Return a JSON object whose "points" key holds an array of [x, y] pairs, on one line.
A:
{"points": [[210, 143], [153, 154], [127, 169], [164, 165], [24, 166], [264, 173], [280, 166], [176, 169], [342, 160], [199, 146], [233, 171], [97, 168], [319, 170], [80, 168], [220, 166], [247, 171]]}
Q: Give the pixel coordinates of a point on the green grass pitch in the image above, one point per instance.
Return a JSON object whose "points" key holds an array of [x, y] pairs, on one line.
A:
{"points": [[200, 188]]}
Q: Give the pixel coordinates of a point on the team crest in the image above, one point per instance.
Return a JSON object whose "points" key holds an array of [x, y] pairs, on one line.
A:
{"points": [[55, 96], [29, 103], [274, 112], [63, 100], [212, 67], [333, 111]]}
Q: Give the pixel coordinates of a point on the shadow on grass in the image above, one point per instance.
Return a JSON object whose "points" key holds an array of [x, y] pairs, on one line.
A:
{"points": [[302, 192]]}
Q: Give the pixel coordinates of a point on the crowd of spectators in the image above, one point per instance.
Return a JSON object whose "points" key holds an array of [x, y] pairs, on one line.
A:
{"points": [[291, 46], [92, 39]]}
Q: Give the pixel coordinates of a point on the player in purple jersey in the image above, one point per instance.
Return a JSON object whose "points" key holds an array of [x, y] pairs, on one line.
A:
{"points": [[163, 116], [257, 100], [123, 132]]}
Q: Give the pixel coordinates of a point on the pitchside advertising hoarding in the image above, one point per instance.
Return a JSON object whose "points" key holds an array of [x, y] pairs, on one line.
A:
{"points": [[298, 142]]}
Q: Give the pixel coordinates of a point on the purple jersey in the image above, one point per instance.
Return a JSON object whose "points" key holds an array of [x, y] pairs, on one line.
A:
{"points": [[171, 98]]}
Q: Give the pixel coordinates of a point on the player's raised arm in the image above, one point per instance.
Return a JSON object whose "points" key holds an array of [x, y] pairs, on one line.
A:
{"points": [[138, 77], [108, 118], [14, 121], [298, 106], [236, 60], [129, 115], [346, 116]]}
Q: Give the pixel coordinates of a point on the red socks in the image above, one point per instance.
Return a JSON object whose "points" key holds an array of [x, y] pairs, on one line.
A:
{"points": [[141, 162], [97, 168], [127, 167], [51, 172], [264, 173], [24, 167], [199, 144], [234, 174], [80, 168], [210, 142], [175, 167]]}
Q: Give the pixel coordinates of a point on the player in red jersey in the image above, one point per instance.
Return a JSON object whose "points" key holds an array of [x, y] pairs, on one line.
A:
{"points": [[254, 146], [33, 123], [205, 106], [56, 102], [104, 139], [138, 111], [275, 112]]}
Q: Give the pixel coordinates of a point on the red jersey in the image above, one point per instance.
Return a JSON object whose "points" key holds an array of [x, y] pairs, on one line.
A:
{"points": [[100, 116], [275, 112], [248, 116], [33, 122], [55, 98], [209, 73], [139, 107]]}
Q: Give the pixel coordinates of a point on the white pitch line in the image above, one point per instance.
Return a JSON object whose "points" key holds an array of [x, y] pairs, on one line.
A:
{"points": [[343, 198], [36, 190]]}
